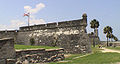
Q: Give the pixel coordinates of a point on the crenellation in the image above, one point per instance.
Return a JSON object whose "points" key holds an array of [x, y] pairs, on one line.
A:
{"points": [[41, 26], [64, 24], [30, 27], [51, 25], [23, 28], [76, 22]]}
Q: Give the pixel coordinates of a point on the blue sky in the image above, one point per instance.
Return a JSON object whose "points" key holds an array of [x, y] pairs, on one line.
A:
{"points": [[107, 12]]}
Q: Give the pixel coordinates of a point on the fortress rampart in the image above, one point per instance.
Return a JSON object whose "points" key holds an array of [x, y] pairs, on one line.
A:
{"points": [[63, 24], [70, 35]]}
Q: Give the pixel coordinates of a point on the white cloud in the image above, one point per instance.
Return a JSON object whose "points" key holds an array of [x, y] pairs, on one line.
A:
{"points": [[37, 21], [34, 10], [3, 27], [15, 24]]}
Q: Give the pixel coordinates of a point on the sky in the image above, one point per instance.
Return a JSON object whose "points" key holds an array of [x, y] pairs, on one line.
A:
{"points": [[107, 12]]}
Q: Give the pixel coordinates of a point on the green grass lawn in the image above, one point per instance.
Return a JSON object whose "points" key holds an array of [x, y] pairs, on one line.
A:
{"points": [[32, 47], [114, 48], [96, 58]]}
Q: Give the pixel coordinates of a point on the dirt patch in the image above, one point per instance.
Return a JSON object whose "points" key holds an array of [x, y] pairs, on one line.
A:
{"points": [[67, 55], [109, 50]]}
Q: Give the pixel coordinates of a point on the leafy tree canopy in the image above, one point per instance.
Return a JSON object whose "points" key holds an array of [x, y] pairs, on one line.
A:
{"points": [[107, 29], [94, 23]]}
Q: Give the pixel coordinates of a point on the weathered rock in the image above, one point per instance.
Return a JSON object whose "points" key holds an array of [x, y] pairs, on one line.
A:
{"points": [[51, 55], [7, 50], [11, 61], [25, 62], [2, 61]]}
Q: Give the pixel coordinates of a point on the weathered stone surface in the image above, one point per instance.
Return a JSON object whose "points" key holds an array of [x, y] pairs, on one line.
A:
{"points": [[94, 38], [7, 48], [70, 35], [9, 56], [11, 61], [20, 53], [2, 61], [42, 57]]}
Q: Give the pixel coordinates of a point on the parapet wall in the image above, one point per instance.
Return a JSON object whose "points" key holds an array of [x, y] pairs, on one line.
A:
{"points": [[8, 33], [7, 50], [63, 24]]}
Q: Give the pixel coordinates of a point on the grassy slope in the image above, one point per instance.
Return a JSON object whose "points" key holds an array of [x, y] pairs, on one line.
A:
{"points": [[114, 48], [31, 47], [96, 58]]}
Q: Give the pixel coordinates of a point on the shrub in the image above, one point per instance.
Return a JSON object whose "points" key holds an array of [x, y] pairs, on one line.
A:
{"points": [[53, 44], [32, 41]]}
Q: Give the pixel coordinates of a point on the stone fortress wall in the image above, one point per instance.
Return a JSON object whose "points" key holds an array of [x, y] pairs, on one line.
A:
{"points": [[71, 35], [8, 33], [39, 56], [8, 55], [7, 50]]}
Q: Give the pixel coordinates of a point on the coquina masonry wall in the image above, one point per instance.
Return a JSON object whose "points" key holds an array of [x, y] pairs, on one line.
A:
{"points": [[39, 56], [71, 35], [7, 50], [8, 55]]}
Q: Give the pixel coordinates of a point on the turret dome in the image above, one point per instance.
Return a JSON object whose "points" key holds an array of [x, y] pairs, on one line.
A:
{"points": [[84, 15]]}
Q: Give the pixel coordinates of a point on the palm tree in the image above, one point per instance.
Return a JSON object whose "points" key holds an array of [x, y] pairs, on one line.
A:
{"points": [[111, 37], [108, 36], [115, 38], [94, 24], [107, 30]]}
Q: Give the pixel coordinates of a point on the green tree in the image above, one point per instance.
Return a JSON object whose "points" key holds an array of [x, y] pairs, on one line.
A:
{"points": [[115, 38], [32, 41], [108, 31], [111, 36], [94, 24]]}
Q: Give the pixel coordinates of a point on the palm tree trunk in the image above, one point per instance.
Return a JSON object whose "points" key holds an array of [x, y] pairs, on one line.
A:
{"points": [[94, 38], [107, 42], [93, 42]]}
